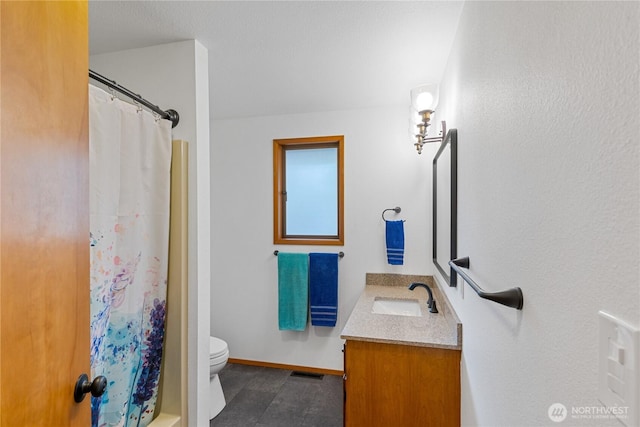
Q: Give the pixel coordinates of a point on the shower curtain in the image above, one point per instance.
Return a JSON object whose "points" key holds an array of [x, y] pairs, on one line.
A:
{"points": [[130, 157]]}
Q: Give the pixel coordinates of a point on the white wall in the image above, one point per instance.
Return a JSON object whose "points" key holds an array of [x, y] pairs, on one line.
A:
{"points": [[545, 97], [382, 170], [176, 76]]}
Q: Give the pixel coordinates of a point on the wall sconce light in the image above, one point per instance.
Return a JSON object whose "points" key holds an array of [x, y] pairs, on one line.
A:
{"points": [[424, 100]]}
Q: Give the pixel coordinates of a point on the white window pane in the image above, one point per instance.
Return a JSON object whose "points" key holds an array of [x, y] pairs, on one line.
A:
{"points": [[312, 192]]}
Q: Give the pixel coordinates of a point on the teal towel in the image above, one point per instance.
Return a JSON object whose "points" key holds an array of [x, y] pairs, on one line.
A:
{"points": [[293, 291]]}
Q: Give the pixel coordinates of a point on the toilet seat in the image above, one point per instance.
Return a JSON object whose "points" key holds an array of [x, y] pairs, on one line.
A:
{"points": [[218, 352], [220, 360], [217, 348]]}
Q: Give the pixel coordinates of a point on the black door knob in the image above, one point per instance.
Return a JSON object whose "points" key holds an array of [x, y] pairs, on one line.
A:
{"points": [[84, 386]]}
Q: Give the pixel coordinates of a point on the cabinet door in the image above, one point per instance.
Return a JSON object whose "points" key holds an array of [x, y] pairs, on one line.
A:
{"points": [[402, 386], [344, 384]]}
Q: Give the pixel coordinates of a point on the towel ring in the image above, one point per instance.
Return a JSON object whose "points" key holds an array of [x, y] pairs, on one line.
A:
{"points": [[396, 210]]}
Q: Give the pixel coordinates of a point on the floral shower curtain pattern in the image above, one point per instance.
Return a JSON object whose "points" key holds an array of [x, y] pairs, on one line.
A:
{"points": [[130, 158]]}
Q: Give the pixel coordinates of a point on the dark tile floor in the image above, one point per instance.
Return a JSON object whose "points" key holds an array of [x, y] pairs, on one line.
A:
{"points": [[261, 397]]}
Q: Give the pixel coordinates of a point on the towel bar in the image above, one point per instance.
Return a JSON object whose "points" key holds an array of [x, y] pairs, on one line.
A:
{"points": [[340, 254], [511, 297]]}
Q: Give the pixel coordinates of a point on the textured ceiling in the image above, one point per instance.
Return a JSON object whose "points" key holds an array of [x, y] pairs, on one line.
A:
{"points": [[284, 57]]}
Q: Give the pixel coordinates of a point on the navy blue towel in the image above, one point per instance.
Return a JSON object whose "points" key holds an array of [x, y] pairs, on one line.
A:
{"points": [[323, 289], [395, 242]]}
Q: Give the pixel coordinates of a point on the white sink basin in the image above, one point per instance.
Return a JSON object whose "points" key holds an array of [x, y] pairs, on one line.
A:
{"points": [[397, 307]]}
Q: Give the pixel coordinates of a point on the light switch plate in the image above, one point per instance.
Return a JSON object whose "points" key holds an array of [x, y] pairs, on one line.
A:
{"points": [[619, 368]]}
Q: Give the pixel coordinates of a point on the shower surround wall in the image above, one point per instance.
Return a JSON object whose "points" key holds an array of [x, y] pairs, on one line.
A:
{"points": [[548, 198], [382, 170]]}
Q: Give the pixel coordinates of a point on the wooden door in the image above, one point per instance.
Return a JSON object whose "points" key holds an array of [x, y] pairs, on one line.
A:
{"points": [[44, 213]]}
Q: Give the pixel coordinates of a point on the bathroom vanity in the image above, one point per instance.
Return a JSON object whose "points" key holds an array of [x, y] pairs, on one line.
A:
{"points": [[401, 367]]}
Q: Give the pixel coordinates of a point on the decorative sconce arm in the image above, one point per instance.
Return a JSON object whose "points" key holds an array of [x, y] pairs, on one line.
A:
{"points": [[422, 137]]}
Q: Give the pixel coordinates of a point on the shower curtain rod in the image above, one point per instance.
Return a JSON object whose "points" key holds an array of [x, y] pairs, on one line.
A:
{"points": [[169, 114]]}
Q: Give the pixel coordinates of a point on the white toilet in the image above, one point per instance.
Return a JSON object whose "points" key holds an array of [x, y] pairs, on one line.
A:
{"points": [[218, 356]]}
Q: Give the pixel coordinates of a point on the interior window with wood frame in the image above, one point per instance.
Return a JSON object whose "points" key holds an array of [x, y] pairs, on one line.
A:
{"points": [[308, 191]]}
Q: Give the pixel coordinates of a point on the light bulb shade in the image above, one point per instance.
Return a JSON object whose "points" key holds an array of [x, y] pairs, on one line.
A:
{"points": [[414, 117], [425, 97]]}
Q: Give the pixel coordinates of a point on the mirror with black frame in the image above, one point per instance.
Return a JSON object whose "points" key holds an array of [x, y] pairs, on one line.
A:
{"points": [[445, 202]]}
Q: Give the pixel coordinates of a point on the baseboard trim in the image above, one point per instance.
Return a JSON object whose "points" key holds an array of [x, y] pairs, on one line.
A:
{"points": [[284, 366]]}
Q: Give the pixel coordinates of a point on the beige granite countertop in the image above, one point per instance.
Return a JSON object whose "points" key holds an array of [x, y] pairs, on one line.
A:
{"points": [[439, 330]]}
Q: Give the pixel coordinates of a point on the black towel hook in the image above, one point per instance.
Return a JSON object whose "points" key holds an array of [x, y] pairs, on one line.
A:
{"points": [[396, 209]]}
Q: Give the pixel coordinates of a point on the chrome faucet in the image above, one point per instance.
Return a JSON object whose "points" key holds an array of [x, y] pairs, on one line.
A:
{"points": [[431, 303]]}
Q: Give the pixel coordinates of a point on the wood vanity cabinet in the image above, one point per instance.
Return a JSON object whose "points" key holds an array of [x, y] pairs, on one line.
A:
{"points": [[400, 385]]}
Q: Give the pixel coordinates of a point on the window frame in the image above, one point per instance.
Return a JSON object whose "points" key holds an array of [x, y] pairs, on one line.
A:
{"points": [[280, 146]]}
